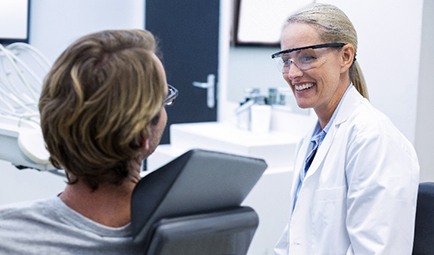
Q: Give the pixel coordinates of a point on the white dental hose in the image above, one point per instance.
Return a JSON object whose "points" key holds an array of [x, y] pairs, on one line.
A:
{"points": [[22, 68]]}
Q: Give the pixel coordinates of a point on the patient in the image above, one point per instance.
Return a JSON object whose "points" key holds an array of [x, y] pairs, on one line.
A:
{"points": [[102, 113]]}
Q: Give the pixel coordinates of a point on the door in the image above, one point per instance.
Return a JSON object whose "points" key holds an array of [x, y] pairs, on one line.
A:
{"points": [[187, 32]]}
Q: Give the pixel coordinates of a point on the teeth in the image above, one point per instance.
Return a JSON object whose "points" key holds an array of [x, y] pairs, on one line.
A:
{"points": [[304, 86]]}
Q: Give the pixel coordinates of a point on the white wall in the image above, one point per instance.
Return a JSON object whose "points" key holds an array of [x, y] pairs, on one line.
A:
{"points": [[54, 25], [425, 119]]}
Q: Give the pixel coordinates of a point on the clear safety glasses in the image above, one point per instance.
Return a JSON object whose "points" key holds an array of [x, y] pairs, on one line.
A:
{"points": [[304, 58], [172, 93]]}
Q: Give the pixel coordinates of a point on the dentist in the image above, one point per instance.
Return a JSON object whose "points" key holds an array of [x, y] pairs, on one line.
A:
{"points": [[355, 175]]}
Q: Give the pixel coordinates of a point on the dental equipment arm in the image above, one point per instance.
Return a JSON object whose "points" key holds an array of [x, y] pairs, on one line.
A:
{"points": [[21, 143], [22, 68]]}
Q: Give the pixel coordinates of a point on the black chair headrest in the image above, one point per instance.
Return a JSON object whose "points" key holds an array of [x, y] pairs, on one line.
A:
{"points": [[198, 181]]}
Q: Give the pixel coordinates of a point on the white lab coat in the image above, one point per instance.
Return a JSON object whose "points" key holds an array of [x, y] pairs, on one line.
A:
{"points": [[359, 195]]}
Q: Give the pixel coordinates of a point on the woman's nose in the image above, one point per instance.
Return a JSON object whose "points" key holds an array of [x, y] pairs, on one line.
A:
{"points": [[293, 72]]}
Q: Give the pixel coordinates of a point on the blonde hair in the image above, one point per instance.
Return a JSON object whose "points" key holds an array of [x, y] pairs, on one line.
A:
{"points": [[333, 26], [97, 103]]}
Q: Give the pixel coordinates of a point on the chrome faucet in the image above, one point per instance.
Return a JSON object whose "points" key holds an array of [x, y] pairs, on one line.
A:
{"points": [[243, 112]]}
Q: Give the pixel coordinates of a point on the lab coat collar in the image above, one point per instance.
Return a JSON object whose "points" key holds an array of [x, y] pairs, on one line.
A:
{"points": [[348, 105]]}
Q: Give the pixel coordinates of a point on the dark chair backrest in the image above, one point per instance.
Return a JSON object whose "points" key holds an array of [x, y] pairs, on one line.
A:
{"points": [[424, 227], [226, 232], [197, 185]]}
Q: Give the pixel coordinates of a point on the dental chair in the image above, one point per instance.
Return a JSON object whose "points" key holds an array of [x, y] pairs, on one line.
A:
{"points": [[192, 205], [424, 227]]}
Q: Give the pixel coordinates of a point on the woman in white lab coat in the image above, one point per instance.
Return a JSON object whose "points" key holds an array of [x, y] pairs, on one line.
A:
{"points": [[357, 193]]}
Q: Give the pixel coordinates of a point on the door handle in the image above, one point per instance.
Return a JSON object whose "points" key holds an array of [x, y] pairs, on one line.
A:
{"points": [[209, 85]]}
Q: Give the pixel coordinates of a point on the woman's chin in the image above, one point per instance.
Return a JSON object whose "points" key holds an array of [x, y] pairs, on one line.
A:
{"points": [[303, 104]]}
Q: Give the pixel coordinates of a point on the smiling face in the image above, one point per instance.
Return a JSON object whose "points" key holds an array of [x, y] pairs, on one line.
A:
{"points": [[321, 87]]}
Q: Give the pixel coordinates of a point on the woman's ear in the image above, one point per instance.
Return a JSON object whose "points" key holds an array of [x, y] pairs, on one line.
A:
{"points": [[347, 57]]}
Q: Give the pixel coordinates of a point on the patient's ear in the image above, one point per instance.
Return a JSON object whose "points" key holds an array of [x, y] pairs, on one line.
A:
{"points": [[146, 148]]}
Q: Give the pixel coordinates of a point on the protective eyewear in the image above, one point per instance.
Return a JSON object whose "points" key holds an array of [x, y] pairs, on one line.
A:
{"points": [[304, 58], [172, 93]]}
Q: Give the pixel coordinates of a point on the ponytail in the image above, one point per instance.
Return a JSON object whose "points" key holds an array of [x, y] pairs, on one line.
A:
{"points": [[358, 79]]}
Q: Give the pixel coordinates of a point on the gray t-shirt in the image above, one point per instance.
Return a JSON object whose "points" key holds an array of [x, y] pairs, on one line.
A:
{"points": [[50, 227]]}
